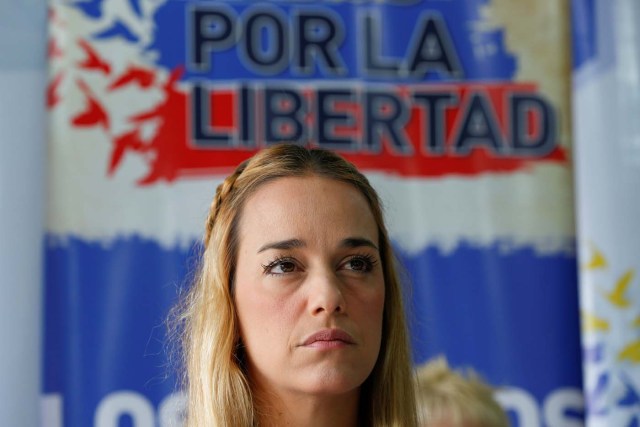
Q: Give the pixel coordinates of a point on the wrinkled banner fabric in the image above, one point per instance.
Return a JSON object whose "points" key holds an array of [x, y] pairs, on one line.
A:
{"points": [[606, 104], [458, 112]]}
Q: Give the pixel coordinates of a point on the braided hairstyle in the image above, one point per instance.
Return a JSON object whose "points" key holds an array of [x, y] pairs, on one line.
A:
{"points": [[222, 193], [219, 391]]}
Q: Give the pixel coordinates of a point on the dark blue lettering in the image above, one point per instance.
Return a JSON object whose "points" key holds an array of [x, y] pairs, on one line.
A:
{"points": [[432, 49], [523, 143], [319, 37], [329, 119], [373, 62], [385, 115], [435, 104], [284, 116], [478, 127], [265, 42], [247, 116], [212, 30], [203, 135]]}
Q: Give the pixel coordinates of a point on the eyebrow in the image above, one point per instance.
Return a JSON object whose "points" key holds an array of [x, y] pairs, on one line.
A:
{"points": [[349, 242], [356, 242], [283, 244]]}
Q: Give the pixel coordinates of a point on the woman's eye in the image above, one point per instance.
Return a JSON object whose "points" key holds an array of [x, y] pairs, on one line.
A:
{"points": [[280, 267], [357, 264], [360, 264], [283, 267]]}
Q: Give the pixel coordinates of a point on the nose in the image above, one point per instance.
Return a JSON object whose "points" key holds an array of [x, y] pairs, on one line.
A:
{"points": [[326, 294]]}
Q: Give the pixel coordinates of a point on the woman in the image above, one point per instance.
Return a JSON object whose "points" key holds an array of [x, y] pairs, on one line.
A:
{"points": [[296, 317]]}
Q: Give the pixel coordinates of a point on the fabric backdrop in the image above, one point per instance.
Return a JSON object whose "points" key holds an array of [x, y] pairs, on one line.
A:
{"points": [[606, 101], [457, 111]]}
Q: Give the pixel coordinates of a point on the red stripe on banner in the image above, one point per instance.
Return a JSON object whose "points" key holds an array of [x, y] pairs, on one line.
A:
{"points": [[422, 130]]}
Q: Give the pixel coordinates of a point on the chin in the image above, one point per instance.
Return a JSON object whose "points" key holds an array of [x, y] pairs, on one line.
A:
{"points": [[335, 382]]}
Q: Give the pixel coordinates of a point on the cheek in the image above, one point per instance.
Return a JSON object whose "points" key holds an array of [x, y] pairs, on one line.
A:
{"points": [[370, 307], [263, 316], [377, 306], [376, 297]]}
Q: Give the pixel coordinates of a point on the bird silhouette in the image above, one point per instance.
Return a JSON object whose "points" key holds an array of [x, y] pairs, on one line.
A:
{"points": [[52, 91], [118, 29], [92, 60], [595, 396], [592, 323], [128, 141], [53, 50], [597, 260], [631, 352], [593, 354], [143, 77], [93, 114], [631, 397], [618, 296], [91, 8], [135, 5]]}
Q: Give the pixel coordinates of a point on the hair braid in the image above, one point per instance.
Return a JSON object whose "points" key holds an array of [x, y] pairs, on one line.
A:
{"points": [[222, 193]]}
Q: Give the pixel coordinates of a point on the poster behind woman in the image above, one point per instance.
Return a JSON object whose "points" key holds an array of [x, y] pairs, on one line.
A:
{"points": [[455, 111]]}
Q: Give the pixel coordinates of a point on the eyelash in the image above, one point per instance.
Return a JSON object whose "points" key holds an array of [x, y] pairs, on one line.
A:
{"points": [[269, 266], [369, 260]]}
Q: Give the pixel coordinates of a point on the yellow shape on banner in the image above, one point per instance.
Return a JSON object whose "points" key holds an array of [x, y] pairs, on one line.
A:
{"points": [[618, 296], [597, 261], [631, 352], [636, 322], [591, 323]]}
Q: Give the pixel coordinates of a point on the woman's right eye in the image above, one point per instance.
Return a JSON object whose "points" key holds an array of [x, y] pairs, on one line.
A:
{"points": [[280, 266]]}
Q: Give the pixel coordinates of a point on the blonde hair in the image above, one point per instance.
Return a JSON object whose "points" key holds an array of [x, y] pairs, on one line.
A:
{"points": [[445, 395], [219, 392]]}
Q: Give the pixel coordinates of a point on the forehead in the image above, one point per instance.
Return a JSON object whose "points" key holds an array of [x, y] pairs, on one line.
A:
{"points": [[310, 207]]}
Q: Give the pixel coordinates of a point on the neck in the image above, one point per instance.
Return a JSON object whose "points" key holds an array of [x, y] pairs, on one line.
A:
{"points": [[312, 411]]}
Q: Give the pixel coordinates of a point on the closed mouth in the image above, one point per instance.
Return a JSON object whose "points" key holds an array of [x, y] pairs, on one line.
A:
{"points": [[329, 336]]}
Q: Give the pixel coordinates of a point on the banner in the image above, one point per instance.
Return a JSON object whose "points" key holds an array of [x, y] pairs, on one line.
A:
{"points": [[448, 107], [606, 107]]}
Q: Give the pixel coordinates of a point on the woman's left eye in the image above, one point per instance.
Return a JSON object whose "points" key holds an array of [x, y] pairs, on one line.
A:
{"points": [[360, 263]]}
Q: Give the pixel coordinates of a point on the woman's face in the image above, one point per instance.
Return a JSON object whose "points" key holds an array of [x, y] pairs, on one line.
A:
{"points": [[309, 287]]}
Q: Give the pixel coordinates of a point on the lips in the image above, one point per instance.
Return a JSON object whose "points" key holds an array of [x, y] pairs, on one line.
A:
{"points": [[328, 336]]}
